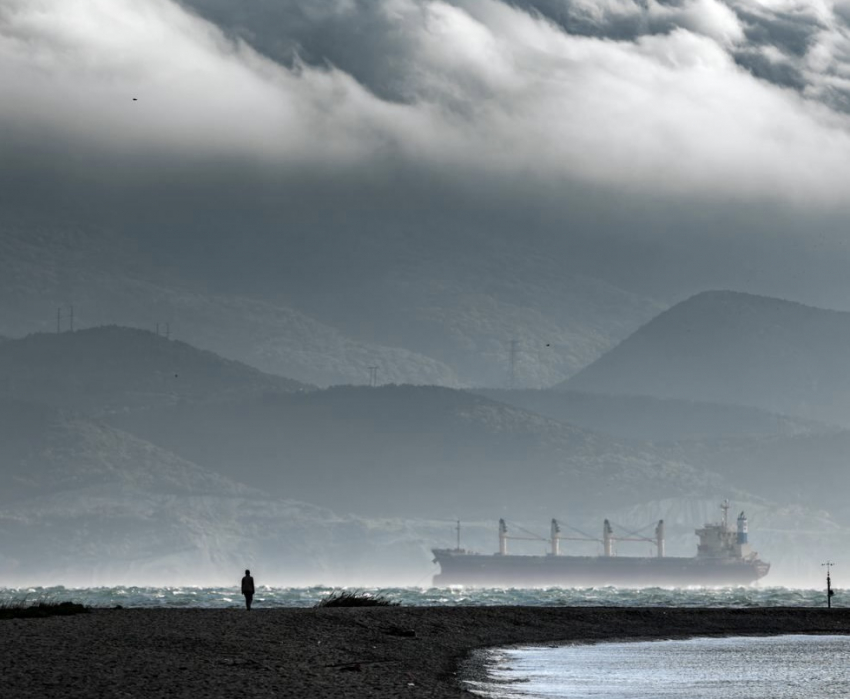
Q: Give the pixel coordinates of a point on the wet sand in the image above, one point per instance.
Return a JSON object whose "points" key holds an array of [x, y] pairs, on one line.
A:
{"points": [[327, 653]]}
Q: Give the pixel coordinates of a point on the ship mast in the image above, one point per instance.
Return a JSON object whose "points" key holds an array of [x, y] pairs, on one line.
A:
{"points": [[503, 538], [607, 538], [555, 536], [725, 508]]}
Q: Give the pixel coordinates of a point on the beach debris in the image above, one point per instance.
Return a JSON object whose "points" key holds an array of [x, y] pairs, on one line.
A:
{"points": [[22, 609], [355, 598]]}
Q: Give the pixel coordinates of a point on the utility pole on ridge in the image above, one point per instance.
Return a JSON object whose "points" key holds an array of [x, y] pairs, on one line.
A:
{"points": [[513, 357]]}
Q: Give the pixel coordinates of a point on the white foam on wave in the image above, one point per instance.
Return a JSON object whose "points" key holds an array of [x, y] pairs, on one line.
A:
{"points": [[267, 597]]}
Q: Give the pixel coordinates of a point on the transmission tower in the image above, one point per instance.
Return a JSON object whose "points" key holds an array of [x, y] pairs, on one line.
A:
{"points": [[514, 351], [70, 318]]}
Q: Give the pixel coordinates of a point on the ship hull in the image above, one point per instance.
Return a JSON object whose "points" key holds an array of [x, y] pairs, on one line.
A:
{"points": [[475, 570]]}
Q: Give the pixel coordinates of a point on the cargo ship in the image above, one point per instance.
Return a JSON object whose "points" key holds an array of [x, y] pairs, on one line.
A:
{"points": [[723, 558]]}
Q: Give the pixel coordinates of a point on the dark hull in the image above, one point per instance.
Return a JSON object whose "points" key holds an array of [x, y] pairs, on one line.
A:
{"points": [[586, 571]]}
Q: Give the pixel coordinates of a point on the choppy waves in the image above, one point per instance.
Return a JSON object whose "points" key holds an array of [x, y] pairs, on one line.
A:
{"points": [[268, 597]]}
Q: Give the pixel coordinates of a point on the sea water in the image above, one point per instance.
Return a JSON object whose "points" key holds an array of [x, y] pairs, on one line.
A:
{"points": [[777, 667], [270, 597]]}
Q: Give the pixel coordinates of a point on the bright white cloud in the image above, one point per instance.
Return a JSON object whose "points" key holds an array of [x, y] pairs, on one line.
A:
{"points": [[495, 91], [708, 17], [74, 68]]}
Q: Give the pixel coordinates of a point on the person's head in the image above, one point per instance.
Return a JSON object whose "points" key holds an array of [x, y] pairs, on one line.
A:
{"points": [[247, 572]]}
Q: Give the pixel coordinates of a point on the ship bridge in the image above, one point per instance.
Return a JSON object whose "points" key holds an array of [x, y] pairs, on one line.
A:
{"points": [[719, 540]]}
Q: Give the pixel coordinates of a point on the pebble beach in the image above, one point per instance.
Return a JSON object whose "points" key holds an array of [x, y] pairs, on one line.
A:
{"points": [[328, 653]]}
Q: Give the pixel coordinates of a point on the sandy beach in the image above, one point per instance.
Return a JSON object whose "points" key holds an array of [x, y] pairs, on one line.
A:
{"points": [[327, 653]]}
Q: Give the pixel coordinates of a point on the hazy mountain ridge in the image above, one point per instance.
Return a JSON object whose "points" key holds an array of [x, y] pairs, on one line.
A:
{"points": [[419, 451], [252, 428], [120, 534], [646, 418], [466, 312], [46, 450], [729, 347], [165, 486], [113, 368], [419, 321], [240, 422], [770, 456], [45, 267], [281, 340], [811, 466], [84, 503]]}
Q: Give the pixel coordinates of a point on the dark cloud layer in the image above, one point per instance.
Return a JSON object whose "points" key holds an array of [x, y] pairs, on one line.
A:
{"points": [[359, 37], [626, 137]]}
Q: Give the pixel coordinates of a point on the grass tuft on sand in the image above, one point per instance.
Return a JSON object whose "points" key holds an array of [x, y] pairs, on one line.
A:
{"points": [[37, 610], [355, 598]]}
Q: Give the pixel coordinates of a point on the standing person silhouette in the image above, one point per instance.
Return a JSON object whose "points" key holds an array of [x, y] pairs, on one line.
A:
{"points": [[248, 589]]}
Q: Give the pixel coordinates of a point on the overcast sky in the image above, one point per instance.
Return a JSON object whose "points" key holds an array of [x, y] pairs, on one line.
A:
{"points": [[668, 127]]}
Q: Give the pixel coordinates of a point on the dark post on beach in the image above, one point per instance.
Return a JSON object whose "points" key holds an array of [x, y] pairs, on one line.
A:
{"points": [[829, 592]]}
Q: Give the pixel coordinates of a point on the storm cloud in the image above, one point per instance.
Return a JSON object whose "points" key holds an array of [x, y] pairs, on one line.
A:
{"points": [[563, 115], [478, 87]]}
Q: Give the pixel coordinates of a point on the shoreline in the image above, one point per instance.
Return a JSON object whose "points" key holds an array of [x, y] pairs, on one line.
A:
{"points": [[328, 653]]}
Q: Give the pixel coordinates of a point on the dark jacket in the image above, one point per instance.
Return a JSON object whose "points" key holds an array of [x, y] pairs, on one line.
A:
{"points": [[247, 585]]}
